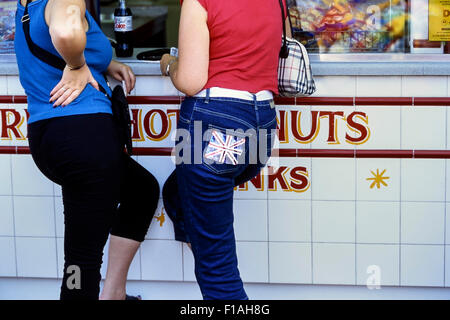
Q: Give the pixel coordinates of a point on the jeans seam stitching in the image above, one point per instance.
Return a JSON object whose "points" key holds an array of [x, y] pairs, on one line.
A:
{"points": [[218, 114]]}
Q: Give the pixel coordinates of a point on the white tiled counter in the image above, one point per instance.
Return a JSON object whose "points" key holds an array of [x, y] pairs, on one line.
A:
{"points": [[353, 203]]}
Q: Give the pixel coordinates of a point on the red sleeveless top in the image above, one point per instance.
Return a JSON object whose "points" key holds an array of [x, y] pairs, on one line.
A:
{"points": [[245, 41]]}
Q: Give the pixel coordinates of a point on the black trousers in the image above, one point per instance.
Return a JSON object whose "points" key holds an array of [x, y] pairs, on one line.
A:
{"points": [[104, 191]]}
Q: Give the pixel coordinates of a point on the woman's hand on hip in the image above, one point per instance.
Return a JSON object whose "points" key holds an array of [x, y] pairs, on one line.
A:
{"points": [[71, 85], [122, 72]]}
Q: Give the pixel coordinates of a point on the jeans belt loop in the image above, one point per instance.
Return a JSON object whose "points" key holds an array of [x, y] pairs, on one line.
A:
{"points": [[207, 95], [255, 101]]}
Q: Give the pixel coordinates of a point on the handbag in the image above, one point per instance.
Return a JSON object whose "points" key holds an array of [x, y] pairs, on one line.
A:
{"points": [[119, 103], [294, 69]]}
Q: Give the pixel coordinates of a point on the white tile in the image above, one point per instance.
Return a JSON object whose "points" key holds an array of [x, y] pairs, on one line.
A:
{"points": [[333, 179], [3, 85], [161, 226], [289, 178], [252, 261], [447, 192], [332, 134], [424, 128], [424, 86], [382, 128], [378, 264], [7, 257], [36, 257], [290, 220], [59, 216], [447, 219], [159, 86], [333, 221], [250, 213], [14, 86], [423, 180], [333, 263], [386, 86], [6, 216], [422, 265], [290, 262], [377, 222], [57, 190], [335, 86], [423, 223], [27, 179], [34, 216], [5, 142], [5, 175], [188, 264], [160, 167], [60, 256], [161, 260], [448, 131], [134, 273], [378, 179], [447, 266]]}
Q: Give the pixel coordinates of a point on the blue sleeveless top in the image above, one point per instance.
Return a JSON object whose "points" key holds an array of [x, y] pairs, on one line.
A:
{"points": [[38, 78]]}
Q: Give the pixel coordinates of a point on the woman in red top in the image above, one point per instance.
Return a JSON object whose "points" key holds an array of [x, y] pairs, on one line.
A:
{"points": [[227, 67]]}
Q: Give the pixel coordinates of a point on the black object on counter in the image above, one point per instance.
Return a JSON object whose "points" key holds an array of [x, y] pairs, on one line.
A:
{"points": [[123, 27], [153, 55]]}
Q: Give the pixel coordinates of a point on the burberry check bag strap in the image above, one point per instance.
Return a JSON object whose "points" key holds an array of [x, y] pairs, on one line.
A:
{"points": [[294, 69]]}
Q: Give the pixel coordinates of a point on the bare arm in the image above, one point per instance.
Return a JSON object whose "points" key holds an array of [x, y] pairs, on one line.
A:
{"points": [[189, 73], [67, 26]]}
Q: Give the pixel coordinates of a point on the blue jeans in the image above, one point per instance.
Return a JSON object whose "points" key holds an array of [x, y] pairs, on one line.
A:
{"points": [[218, 161]]}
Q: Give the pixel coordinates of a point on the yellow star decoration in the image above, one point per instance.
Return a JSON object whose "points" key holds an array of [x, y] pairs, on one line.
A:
{"points": [[161, 218], [378, 179]]}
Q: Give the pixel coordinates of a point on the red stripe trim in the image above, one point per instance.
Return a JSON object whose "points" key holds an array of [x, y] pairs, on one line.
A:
{"points": [[152, 151], [384, 101], [285, 153], [431, 101], [294, 153], [325, 153], [319, 101], [7, 150], [312, 101], [394, 154], [431, 154], [154, 100], [6, 99], [14, 150]]}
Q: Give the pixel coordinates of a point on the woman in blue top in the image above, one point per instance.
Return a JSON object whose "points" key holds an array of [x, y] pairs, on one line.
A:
{"points": [[74, 142]]}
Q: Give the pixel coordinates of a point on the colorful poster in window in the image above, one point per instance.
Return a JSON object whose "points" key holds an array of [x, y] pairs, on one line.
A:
{"points": [[439, 20], [7, 26], [346, 26]]}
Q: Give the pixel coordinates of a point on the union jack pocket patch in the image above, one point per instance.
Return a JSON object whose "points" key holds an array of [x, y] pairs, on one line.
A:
{"points": [[224, 148]]}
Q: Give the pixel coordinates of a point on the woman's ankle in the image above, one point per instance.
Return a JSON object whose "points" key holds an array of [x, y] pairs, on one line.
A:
{"points": [[113, 294]]}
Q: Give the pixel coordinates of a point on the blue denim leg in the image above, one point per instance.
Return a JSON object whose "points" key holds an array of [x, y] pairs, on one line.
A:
{"points": [[206, 188]]}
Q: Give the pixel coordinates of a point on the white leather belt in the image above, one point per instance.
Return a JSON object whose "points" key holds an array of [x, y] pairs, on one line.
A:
{"points": [[216, 92]]}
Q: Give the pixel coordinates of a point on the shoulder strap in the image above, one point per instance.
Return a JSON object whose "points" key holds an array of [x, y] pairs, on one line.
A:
{"points": [[37, 51], [284, 52], [42, 54]]}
